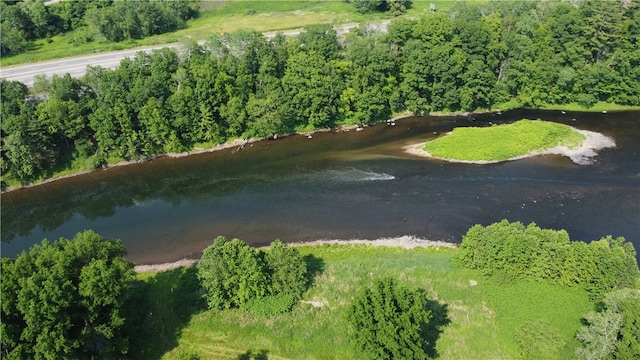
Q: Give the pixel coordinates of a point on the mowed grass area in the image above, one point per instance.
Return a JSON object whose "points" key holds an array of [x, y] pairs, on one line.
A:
{"points": [[478, 317], [218, 17], [502, 142]]}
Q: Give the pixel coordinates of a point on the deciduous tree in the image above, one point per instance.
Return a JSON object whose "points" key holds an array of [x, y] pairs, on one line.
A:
{"points": [[388, 321], [64, 300]]}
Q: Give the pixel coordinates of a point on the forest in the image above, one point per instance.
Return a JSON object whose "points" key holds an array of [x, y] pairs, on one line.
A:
{"points": [[490, 55]]}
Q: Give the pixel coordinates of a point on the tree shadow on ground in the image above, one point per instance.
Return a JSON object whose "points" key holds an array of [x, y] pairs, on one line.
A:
{"points": [[432, 330], [315, 267], [159, 309], [250, 355]]}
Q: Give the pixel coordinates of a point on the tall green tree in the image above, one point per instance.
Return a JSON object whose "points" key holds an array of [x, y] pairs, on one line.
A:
{"points": [[311, 89], [64, 300]]}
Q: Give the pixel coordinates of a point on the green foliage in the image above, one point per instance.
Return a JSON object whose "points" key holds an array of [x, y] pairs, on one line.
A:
{"points": [[540, 254], [502, 142], [472, 57], [613, 332], [231, 274], [397, 7], [287, 270], [539, 339], [389, 321], [116, 21], [235, 275], [469, 321], [270, 305], [65, 300]]}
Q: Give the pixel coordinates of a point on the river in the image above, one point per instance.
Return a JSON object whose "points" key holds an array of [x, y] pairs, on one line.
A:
{"points": [[337, 185]]}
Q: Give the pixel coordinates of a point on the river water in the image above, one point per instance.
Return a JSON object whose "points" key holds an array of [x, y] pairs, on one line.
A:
{"points": [[337, 185]]}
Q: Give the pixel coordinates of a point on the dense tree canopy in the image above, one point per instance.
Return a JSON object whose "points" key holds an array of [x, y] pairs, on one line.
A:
{"points": [[63, 300], [245, 85], [536, 254]]}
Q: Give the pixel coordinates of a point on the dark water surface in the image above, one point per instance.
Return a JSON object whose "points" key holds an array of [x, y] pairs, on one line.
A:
{"points": [[337, 186]]}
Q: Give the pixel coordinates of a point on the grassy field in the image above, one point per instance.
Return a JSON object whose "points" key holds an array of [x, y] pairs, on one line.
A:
{"points": [[502, 142], [224, 16], [477, 317], [598, 107]]}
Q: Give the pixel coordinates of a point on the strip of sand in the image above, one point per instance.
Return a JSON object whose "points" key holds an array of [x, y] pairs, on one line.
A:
{"points": [[582, 155], [406, 242]]}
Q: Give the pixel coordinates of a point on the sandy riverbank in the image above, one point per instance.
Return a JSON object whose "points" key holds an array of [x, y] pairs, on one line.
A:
{"points": [[582, 155], [407, 242]]}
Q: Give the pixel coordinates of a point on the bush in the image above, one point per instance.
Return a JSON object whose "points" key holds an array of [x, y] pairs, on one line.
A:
{"points": [[231, 274], [235, 275], [389, 322], [287, 270]]}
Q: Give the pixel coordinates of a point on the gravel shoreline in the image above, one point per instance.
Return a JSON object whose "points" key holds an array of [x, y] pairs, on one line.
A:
{"points": [[407, 242]]}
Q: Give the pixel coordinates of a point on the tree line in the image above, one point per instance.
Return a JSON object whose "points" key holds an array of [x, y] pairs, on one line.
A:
{"points": [[25, 21], [531, 253], [242, 84], [606, 268]]}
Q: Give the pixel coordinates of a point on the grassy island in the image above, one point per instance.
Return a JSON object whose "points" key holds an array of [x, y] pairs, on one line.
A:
{"points": [[503, 142]]}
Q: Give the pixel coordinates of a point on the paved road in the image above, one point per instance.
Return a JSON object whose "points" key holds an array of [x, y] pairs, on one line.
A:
{"points": [[76, 66]]}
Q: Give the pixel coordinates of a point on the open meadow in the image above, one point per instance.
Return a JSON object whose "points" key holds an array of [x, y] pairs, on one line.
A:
{"points": [[473, 317]]}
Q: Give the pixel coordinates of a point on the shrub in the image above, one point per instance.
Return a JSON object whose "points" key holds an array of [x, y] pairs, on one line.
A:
{"points": [[235, 275], [231, 274], [389, 321], [287, 270]]}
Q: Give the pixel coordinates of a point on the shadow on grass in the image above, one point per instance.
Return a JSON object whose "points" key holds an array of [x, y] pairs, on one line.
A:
{"points": [[159, 308], [432, 330], [315, 267], [250, 355]]}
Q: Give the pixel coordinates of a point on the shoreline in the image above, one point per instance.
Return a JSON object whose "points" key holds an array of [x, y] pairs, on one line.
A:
{"points": [[235, 143], [243, 142], [406, 242], [581, 155]]}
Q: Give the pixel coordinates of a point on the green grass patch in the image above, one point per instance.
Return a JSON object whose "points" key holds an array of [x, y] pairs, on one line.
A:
{"points": [[598, 107], [479, 318], [502, 142]]}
